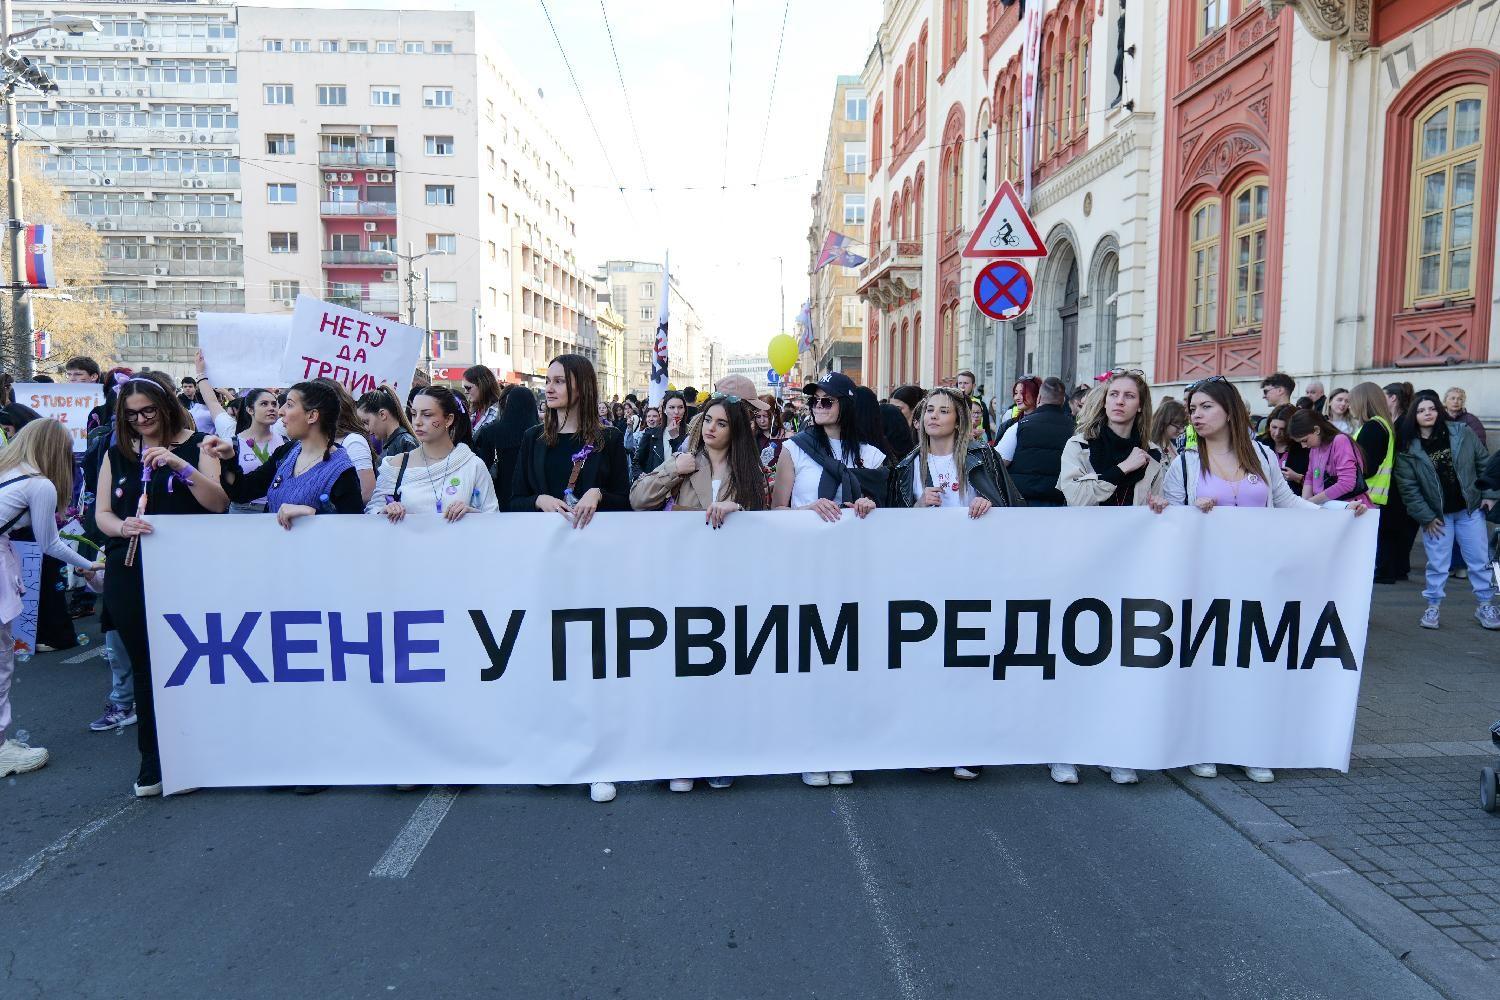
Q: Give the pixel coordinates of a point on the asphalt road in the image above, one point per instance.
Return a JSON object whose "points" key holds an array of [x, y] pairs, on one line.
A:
{"points": [[905, 885]]}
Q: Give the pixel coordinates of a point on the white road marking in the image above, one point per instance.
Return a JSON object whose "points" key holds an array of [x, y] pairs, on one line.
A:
{"points": [[398, 859], [61, 845], [1048, 914], [87, 654], [901, 966]]}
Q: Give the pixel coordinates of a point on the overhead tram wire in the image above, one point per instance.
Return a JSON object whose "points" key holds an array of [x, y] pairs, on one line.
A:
{"points": [[640, 147], [728, 101], [603, 149], [771, 101]]}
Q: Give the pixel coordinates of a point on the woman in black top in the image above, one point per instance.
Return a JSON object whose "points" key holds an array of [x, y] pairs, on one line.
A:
{"points": [[384, 420], [156, 448], [1290, 454], [499, 441], [660, 443]]}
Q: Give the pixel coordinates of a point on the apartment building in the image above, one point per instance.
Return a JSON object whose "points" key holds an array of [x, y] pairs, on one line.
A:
{"points": [[693, 358], [143, 137], [754, 367], [613, 337], [393, 161], [838, 205]]}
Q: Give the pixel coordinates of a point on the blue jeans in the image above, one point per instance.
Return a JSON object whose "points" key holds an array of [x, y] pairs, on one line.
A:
{"points": [[121, 676], [1467, 530]]}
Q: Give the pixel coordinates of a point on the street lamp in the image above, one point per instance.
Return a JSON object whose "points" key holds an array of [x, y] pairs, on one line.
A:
{"points": [[411, 300], [18, 70]]}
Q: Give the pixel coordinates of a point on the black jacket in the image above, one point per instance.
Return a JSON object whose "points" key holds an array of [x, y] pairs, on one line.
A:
{"points": [[605, 468], [982, 469], [1040, 438], [655, 448]]}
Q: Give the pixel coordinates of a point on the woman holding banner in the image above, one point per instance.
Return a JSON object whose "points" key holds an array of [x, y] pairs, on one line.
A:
{"points": [[36, 473], [253, 432], [442, 474], [157, 466], [310, 474], [829, 465], [351, 435]]}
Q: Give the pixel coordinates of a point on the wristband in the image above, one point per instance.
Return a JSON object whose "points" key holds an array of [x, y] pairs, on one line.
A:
{"points": [[197, 381]]}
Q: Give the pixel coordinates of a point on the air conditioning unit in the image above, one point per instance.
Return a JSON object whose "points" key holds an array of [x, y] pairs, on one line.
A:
{"points": [[387, 178], [93, 90], [195, 227], [288, 303], [140, 92], [176, 227], [192, 314], [200, 183], [108, 182], [203, 138], [136, 43], [119, 92], [182, 138], [118, 46], [90, 133], [187, 183], [161, 270], [371, 178], [346, 177], [106, 225], [366, 130], [150, 46], [388, 276], [370, 227], [104, 133], [180, 314]]}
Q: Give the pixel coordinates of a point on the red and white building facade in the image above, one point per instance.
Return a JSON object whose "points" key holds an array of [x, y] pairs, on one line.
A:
{"points": [[1225, 186]]}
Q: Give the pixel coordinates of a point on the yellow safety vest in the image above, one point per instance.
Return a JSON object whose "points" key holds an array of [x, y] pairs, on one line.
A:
{"points": [[1379, 484]]}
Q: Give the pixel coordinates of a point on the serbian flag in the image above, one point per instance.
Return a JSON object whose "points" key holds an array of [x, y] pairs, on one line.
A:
{"points": [[41, 270], [805, 328], [836, 250]]}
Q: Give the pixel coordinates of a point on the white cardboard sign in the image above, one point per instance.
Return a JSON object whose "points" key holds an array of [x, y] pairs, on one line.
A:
{"points": [[68, 403], [244, 350], [348, 346]]}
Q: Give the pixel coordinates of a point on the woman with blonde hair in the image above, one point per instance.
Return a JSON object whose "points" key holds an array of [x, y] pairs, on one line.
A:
{"points": [[1376, 441], [1111, 462], [36, 472]]}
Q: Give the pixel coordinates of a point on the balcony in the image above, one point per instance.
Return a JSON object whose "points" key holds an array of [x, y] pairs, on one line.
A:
{"points": [[359, 258], [894, 276], [351, 158], [161, 224], [141, 88], [134, 134], [380, 209], [379, 302], [175, 268], [80, 177]]}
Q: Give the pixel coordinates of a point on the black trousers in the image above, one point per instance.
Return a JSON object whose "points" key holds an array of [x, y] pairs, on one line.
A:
{"points": [[1394, 541], [125, 601]]}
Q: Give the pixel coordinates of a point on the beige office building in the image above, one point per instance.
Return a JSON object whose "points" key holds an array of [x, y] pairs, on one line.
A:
{"points": [[838, 205], [693, 358]]}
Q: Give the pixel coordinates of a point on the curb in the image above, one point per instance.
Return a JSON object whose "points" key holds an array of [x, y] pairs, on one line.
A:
{"points": [[1448, 967]]}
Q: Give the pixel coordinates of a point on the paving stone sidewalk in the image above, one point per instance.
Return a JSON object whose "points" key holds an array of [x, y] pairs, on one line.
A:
{"points": [[1407, 814]]}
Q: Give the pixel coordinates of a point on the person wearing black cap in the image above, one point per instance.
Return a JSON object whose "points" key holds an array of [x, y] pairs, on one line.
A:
{"points": [[1032, 447], [829, 465]]}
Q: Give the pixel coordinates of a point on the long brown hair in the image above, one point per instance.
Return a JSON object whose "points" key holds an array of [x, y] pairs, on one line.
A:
{"points": [[47, 447], [583, 395], [174, 419], [348, 416], [1304, 422], [1238, 424], [1169, 414], [486, 390], [747, 477], [1367, 402], [961, 417]]}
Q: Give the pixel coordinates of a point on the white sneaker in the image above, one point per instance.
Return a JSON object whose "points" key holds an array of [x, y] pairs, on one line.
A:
{"points": [[1064, 774], [681, 784], [18, 758], [965, 773], [1261, 774], [1488, 616], [840, 778], [1430, 617], [602, 791], [815, 778], [147, 791], [1204, 770], [1121, 775]]}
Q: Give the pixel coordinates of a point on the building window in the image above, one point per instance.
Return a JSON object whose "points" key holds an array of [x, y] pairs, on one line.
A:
{"points": [[440, 145], [413, 48], [442, 48], [1251, 207], [1447, 158], [648, 290], [1203, 268], [385, 97], [385, 48], [285, 291], [442, 243], [854, 157], [646, 312], [1210, 16], [273, 45], [855, 106], [281, 144], [440, 194], [278, 93], [443, 291], [437, 97], [301, 45], [283, 242], [851, 310], [281, 194], [854, 210], [357, 46], [332, 95], [491, 199], [491, 249], [328, 45]]}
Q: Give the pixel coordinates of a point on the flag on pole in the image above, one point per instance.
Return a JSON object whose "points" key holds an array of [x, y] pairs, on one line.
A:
{"points": [[1031, 56], [835, 250], [41, 270], [805, 328], [658, 389]]}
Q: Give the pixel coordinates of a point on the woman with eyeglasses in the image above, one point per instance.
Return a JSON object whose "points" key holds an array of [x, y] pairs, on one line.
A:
{"points": [[1168, 422], [441, 476], [829, 466], [156, 467], [571, 465]]}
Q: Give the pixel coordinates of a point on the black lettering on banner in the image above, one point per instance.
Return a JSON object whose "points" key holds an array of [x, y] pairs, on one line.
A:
{"points": [[845, 631], [1133, 632], [625, 643], [1009, 656], [1105, 618], [561, 619], [1217, 618], [747, 653], [1337, 648], [283, 646], [1253, 622], [686, 641], [953, 634], [898, 635], [214, 648], [405, 645], [499, 655], [340, 648]]}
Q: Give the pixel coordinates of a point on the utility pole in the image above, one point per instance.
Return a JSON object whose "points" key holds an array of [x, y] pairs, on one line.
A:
{"points": [[427, 319], [20, 300]]}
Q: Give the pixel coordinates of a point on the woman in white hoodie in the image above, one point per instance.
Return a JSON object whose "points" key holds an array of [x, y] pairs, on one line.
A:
{"points": [[441, 476]]}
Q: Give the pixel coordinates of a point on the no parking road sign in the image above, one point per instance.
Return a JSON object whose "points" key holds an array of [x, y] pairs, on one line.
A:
{"points": [[1003, 289]]}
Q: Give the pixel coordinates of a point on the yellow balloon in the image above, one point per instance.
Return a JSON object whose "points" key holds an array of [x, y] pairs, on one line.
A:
{"points": [[782, 353]]}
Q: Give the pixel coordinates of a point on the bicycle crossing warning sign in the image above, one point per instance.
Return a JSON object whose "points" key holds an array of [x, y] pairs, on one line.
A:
{"points": [[1006, 230]]}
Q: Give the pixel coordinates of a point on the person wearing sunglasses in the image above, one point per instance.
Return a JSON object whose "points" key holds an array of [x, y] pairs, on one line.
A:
{"points": [[156, 467], [829, 466]]}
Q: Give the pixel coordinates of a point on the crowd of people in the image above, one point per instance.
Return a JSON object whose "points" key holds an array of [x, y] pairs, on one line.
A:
{"points": [[157, 449]]}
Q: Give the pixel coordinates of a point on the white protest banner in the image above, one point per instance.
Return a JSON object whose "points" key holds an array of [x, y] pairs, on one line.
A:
{"points": [[23, 629], [68, 403], [245, 350], [348, 346], [909, 639]]}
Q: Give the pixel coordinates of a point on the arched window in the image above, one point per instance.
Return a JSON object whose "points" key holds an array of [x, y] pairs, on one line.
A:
{"points": [[898, 111], [875, 228], [1068, 89], [916, 211], [1203, 268], [902, 356], [895, 218], [1081, 121], [877, 124], [914, 358], [922, 68], [1250, 208], [1448, 148], [1209, 17], [912, 85], [907, 232], [951, 184]]}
